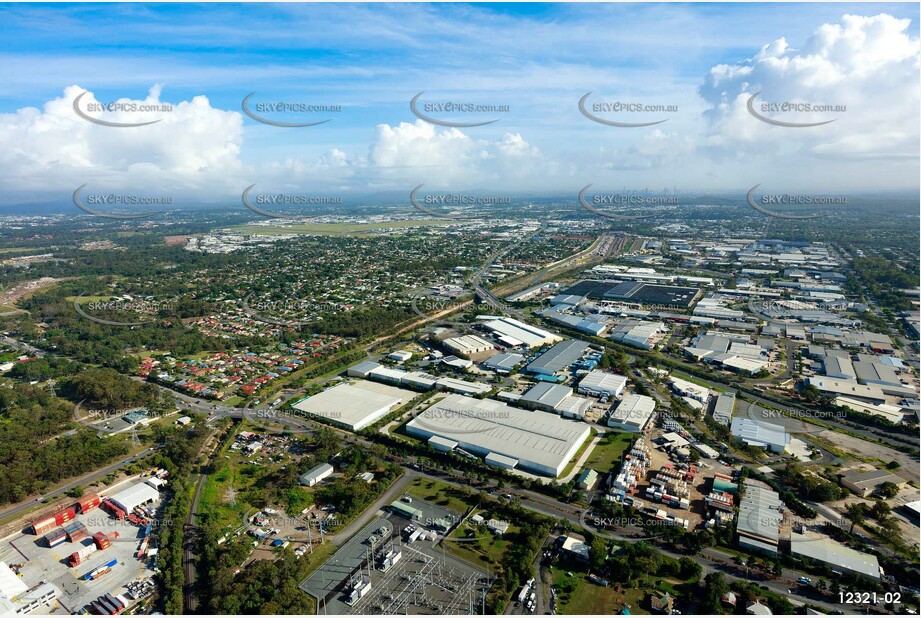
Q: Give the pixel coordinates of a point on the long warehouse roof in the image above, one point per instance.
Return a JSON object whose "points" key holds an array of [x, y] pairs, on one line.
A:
{"points": [[558, 357], [486, 426]]}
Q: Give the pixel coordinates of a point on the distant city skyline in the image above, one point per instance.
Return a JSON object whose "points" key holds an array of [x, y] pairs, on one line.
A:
{"points": [[718, 76]]}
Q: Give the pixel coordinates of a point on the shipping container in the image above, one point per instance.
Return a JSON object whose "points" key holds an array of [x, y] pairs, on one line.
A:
{"points": [[101, 540], [81, 555], [62, 517], [97, 608], [115, 601], [110, 609], [88, 503], [56, 537], [76, 532], [41, 526]]}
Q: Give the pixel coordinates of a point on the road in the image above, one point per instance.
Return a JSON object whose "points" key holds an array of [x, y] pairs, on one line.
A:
{"points": [[86, 479]]}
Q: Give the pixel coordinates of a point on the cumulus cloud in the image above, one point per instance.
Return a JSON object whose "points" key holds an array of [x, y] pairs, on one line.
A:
{"points": [[869, 64], [193, 145]]}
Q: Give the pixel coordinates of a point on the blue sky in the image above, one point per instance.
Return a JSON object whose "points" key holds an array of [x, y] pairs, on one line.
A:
{"points": [[538, 59]]}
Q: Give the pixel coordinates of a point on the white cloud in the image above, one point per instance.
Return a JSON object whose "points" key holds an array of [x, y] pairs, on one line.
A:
{"points": [[193, 146], [868, 64]]}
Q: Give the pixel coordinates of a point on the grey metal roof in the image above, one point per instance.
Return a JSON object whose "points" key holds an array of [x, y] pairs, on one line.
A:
{"points": [[559, 356]]}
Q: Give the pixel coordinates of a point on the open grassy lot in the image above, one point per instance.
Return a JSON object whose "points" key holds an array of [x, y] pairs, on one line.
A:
{"points": [[578, 595], [476, 544], [335, 229], [439, 493], [609, 452]]}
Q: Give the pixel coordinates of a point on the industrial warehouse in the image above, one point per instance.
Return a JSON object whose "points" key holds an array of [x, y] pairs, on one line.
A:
{"points": [[356, 405], [636, 292], [537, 442]]}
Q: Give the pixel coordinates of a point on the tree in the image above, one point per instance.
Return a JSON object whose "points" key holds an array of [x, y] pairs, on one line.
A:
{"points": [[857, 512], [597, 553], [715, 587], [888, 490]]}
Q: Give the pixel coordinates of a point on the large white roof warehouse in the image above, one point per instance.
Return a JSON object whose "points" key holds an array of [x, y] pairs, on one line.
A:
{"points": [[540, 442], [355, 405], [530, 336], [134, 496]]}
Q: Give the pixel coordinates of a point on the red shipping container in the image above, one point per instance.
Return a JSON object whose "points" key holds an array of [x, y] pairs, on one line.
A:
{"points": [[88, 503], [101, 540], [62, 517]]}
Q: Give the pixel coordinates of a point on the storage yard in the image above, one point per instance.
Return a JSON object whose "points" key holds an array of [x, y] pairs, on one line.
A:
{"points": [[91, 552]]}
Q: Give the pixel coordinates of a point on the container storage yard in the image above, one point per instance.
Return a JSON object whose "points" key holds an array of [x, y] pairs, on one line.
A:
{"points": [[91, 557]]}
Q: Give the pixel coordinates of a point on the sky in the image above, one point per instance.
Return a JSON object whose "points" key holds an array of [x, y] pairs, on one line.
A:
{"points": [[702, 62]]}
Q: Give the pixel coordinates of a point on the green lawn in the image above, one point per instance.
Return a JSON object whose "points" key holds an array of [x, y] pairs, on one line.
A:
{"points": [[439, 493], [577, 595], [609, 451], [478, 545]]}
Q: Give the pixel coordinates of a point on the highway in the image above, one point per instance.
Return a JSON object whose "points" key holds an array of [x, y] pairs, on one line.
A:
{"points": [[86, 479]]}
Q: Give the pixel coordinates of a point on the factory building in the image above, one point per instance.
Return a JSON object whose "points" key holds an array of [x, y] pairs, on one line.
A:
{"points": [[759, 520], [721, 408], [504, 362], [876, 373], [536, 442], [558, 358], [515, 333], [839, 367], [555, 398], [758, 433], [356, 405], [134, 496], [840, 558], [632, 413], [865, 483], [602, 384], [315, 475], [468, 345], [637, 333], [831, 387]]}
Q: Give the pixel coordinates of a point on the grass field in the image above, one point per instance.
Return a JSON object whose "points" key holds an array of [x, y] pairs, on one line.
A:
{"points": [[609, 451], [478, 545], [439, 493], [578, 595], [335, 229]]}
